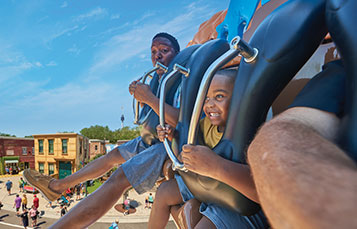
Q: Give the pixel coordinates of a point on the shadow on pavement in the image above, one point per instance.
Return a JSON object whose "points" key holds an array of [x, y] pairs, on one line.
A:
{"points": [[3, 216]]}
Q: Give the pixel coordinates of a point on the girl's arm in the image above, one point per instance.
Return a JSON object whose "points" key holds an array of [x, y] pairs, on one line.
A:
{"points": [[202, 160]]}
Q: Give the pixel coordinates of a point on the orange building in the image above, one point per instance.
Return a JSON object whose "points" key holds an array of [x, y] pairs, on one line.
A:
{"points": [[60, 153]]}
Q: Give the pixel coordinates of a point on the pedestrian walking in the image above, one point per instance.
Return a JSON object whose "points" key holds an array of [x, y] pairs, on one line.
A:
{"points": [[36, 202], [21, 184], [151, 200], [33, 215], [24, 218], [78, 191], [63, 210], [17, 203], [8, 185], [126, 206], [24, 202], [115, 225]]}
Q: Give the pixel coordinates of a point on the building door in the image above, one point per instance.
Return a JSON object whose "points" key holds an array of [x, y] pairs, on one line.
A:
{"points": [[65, 169], [26, 165]]}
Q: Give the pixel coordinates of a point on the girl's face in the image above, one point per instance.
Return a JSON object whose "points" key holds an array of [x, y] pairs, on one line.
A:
{"points": [[217, 101]]}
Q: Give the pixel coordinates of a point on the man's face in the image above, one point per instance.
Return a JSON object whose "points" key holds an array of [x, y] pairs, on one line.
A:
{"points": [[162, 51]]}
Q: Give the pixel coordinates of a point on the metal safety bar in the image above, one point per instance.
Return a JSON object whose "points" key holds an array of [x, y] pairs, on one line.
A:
{"points": [[142, 79], [238, 46], [176, 164]]}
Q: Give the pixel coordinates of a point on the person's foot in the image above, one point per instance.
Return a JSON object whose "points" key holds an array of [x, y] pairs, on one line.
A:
{"points": [[41, 182]]}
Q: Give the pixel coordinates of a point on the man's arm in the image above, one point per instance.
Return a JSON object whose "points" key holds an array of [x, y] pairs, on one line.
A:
{"points": [[143, 94], [302, 178]]}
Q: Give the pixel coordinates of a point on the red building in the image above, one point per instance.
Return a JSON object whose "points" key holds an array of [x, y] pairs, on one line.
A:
{"points": [[96, 147], [16, 153]]}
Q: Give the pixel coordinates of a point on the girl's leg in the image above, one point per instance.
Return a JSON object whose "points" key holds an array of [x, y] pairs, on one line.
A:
{"points": [[205, 223], [168, 194]]}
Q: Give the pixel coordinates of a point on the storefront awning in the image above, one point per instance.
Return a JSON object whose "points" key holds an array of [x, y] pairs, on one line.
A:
{"points": [[11, 161]]}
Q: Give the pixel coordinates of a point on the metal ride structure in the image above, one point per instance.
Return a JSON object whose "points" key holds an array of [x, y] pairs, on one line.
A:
{"points": [[284, 42], [146, 116]]}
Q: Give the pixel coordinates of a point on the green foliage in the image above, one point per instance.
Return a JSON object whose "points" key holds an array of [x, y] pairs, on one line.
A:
{"points": [[96, 157], [104, 133], [29, 136], [127, 133], [7, 135], [94, 187]]}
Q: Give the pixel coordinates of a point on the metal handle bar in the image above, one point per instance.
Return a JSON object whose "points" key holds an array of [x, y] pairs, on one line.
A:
{"points": [[142, 79], [176, 164], [238, 46]]}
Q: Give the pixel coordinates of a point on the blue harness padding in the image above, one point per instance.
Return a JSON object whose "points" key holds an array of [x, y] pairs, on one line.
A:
{"points": [[148, 132], [284, 46], [238, 16], [341, 21]]}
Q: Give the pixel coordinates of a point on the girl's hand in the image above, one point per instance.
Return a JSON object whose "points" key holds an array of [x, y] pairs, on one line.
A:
{"points": [[165, 132], [200, 159]]}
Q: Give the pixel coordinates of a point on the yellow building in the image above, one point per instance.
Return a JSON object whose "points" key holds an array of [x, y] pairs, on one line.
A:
{"points": [[60, 153]]}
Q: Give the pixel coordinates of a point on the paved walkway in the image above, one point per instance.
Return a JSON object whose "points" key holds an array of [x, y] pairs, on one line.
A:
{"points": [[141, 215]]}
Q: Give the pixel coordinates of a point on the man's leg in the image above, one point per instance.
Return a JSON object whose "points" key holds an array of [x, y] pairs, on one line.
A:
{"points": [[303, 179], [141, 172], [93, 170], [90, 209], [52, 188]]}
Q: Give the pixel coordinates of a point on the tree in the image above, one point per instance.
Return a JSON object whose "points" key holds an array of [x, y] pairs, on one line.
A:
{"points": [[98, 132], [127, 133], [104, 133], [7, 135]]}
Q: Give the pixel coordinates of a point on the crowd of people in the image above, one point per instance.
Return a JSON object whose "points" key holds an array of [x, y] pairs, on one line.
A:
{"points": [[33, 212], [310, 119]]}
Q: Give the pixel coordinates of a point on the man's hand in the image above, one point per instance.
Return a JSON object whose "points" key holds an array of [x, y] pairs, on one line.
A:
{"points": [[200, 159], [141, 92], [165, 132]]}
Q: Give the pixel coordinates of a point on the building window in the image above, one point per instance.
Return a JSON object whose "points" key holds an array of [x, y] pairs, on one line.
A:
{"points": [[80, 147], [33, 150], [95, 147], [64, 146], [50, 146], [51, 168], [24, 150], [41, 167], [40, 146]]}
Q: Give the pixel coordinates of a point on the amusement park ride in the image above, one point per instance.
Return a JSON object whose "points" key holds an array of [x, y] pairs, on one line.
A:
{"points": [[285, 45]]}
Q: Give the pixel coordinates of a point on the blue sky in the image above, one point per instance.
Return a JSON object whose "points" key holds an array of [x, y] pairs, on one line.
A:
{"points": [[66, 65]]}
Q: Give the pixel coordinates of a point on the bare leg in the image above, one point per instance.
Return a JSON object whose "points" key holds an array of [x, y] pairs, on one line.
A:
{"points": [[167, 195], [205, 223], [88, 210], [93, 170], [303, 180]]}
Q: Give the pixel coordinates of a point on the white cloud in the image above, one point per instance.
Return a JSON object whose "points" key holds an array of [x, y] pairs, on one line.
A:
{"points": [[51, 64], [38, 64], [93, 13], [74, 50], [132, 44], [62, 32], [115, 16], [12, 63], [64, 4], [142, 18]]}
